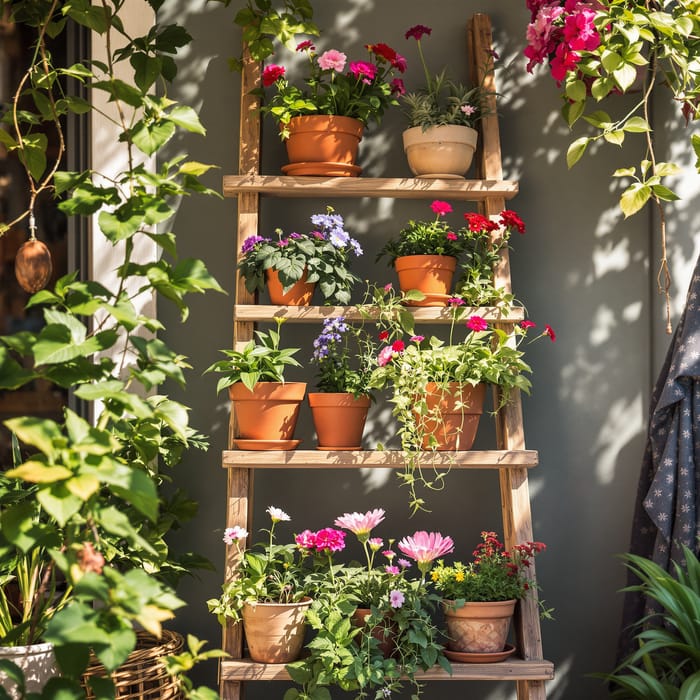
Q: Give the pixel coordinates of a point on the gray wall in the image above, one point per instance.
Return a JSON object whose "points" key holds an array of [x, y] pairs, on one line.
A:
{"points": [[579, 267]]}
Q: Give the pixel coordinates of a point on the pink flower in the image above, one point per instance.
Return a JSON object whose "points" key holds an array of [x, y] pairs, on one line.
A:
{"points": [[305, 45], [364, 71], [476, 323], [234, 534], [418, 31], [360, 524], [392, 570], [398, 346], [548, 330], [528, 324], [388, 287], [417, 338], [396, 599], [306, 540], [404, 563], [332, 60], [424, 547], [397, 87], [389, 554], [451, 236], [468, 109], [385, 355], [330, 539], [271, 74], [456, 301], [440, 208], [375, 543]]}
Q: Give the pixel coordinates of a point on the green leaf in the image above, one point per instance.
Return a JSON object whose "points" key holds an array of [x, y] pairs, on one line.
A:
{"points": [[665, 169], [634, 198], [192, 167], [572, 112], [12, 374], [615, 137], [186, 118], [148, 138], [37, 432], [33, 154], [636, 125], [625, 172], [576, 150], [576, 90], [599, 119], [146, 70], [37, 472], [625, 77], [119, 90], [118, 226], [664, 193], [59, 502]]}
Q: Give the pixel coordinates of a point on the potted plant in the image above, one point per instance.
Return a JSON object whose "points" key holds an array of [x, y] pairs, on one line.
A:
{"points": [[291, 265], [479, 597], [344, 356], [267, 407], [438, 386], [269, 594], [376, 648], [323, 121], [440, 140]]}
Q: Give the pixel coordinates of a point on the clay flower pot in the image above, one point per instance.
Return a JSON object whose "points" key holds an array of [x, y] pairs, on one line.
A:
{"points": [[385, 634], [38, 663], [275, 631], [440, 151], [323, 144], [460, 406], [339, 419], [430, 274], [269, 412], [299, 294], [478, 627]]}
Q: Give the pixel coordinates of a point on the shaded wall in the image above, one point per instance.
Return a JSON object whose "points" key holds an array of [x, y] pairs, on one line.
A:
{"points": [[579, 267]]}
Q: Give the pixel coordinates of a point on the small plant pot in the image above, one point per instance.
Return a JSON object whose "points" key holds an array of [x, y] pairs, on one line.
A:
{"points": [[385, 633], [430, 274], [299, 294], [275, 631], [269, 412], [339, 419], [478, 627], [38, 663], [460, 407], [440, 151]]}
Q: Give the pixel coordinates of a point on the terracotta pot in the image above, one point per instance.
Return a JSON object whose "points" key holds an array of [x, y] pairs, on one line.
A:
{"points": [[460, 406], [339, 419], [430, 274], [440, 151], [275, 631], [322, 144], [478, 627], [269, 412], [385, 634], [299, 294], [38, 663]]}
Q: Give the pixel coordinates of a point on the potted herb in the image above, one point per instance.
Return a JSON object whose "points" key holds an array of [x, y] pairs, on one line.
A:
{"points": [[291, 265], [267, 407], [268, 594], [440, 140], [344, 355], [323, 121], [479, 597]]}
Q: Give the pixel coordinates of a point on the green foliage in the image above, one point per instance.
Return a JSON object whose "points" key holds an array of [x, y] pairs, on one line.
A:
{"points": [[666, 664]]}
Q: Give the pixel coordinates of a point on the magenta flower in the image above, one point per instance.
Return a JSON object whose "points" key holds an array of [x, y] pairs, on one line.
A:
{"points": [[234, 534], [417, 338], [389, 554], [332, 60], [396, 599], [423, 547], [440, 208], [305, 45], [330, 539], [476, 323], [451, 236], [456, 301], [398, 346], [548, 330], [528, 324], [418, 31], [397, 87], [271, 74], [364, 71], [392, 570], [306, 540], [360, 524], [388, 287], [385, 356]]}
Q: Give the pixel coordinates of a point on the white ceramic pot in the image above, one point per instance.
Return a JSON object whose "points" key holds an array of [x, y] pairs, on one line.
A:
{"points": [[38, 663], [440, 151]]}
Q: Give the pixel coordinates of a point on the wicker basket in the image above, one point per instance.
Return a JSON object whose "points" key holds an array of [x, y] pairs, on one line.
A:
{"points": [[142, 675]]}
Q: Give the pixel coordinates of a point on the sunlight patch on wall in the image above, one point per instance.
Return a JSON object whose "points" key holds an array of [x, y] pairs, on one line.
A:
{"points": [[624, 421]]}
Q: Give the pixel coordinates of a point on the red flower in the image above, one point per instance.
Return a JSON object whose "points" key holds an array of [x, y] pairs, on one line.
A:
{"points": [[548, 330], [399, 63], [528, 324], [272, 74], [477, 223], [476, 323], [451, 236], [366, 71], [383, 50], [440, 208], [418, 31], [305, 45], [398, 346], [383, 335], [397, 87], [510, 219]]}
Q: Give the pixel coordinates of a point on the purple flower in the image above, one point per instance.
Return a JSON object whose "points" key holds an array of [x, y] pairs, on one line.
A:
{"points": [[396, 599], [250, 243]]}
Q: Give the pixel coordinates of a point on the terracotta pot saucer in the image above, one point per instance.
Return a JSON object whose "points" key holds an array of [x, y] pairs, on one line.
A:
{"points": [[327, 448], [328, 168], [243, 444], [475, 657]]}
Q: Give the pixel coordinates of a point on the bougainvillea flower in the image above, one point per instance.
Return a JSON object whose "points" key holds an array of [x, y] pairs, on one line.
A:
{"points": [[441, 208], [418, 31], [234, 534], [277, 514], [332, 60], [476, 323], [329, 539], [360, 524], [388, 287], [424, 547], [548, 330], [271, 74]]}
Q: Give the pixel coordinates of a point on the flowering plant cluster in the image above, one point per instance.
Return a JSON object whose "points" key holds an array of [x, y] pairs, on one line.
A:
{"points": [[344, 355], [494, 574], [323, 255], [359, 89], [441, 101]]}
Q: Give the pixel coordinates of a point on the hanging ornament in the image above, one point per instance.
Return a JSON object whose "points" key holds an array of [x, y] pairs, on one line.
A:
{"points": [[33, 264]]}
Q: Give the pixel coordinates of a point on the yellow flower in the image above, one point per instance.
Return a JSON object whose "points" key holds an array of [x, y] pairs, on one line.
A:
{"points": [[435, 575], [459, 576]]}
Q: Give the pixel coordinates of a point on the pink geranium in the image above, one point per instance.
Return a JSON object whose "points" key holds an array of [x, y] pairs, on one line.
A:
{"points": [[477, 323], [441, 208], [332, 60], [364, 71], [271, 74], [330, 540], [361, 524], [306, 539]]}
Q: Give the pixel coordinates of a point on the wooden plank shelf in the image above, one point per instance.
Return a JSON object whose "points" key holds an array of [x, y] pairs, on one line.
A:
{"points": [[394, 187], [509, 670], [377, 459], [314, 314]]}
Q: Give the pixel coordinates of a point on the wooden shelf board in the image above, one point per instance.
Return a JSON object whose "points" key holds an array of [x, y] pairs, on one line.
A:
{"points": [[314, 314], [509, 670], [394, 187], [384, 459]]}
